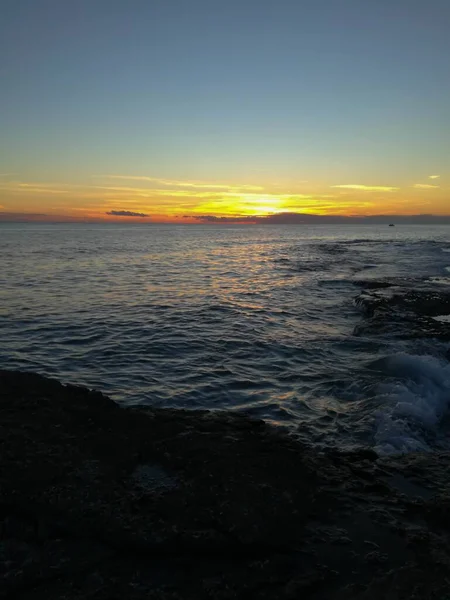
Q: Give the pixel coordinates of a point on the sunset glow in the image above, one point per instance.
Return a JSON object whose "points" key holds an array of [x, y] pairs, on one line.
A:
{"points": [[183, 201], [111, 110]]}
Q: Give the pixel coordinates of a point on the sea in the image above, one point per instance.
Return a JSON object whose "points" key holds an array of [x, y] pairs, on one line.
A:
{"points": [[278, 322]]}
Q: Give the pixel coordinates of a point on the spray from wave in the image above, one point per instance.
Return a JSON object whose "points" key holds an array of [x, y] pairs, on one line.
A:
{"points": [[412, 402]]}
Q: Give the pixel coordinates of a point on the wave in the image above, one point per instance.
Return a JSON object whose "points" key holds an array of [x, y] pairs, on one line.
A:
{"points": [[442, 318], [440, 280], [412, 402]]}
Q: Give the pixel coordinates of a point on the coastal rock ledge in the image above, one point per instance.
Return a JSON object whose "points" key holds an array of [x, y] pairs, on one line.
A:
{"points": [[103, 502]]}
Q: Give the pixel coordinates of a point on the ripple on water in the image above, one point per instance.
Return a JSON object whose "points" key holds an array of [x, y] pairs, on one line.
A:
{"points": [[250, 319]]}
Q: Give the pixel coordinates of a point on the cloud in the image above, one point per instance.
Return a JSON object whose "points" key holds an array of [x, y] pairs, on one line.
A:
{"points": [[433, 176], [151, 192], [366, 188], [232, 219], [18, 186], [185, 184], [294, 218], [425, 186], [25, 217], [17, 216], [125, 213], [25, 187]]}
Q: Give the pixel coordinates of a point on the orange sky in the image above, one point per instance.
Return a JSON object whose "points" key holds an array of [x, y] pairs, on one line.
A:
{"points": [[173, 200]]}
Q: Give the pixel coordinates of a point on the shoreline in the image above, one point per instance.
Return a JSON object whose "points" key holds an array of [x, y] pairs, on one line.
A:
{"points": [[102, 501]]}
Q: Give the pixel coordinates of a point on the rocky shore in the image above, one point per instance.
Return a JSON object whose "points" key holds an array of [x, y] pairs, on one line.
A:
{"points": [[404, 309], [102, 502]]}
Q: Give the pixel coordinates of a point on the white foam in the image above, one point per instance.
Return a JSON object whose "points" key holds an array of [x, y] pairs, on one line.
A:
{"points": [[412, 406], [440, 280], [442, 318]]}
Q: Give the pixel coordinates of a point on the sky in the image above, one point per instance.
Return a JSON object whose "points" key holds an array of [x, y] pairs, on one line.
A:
{"points": [[180, 110]]}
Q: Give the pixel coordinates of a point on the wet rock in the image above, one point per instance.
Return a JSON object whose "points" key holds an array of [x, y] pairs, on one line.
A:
{"points": [[404, 313]]}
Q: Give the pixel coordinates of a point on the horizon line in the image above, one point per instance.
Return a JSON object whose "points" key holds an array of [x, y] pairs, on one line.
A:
{"points": [[283, 218]]}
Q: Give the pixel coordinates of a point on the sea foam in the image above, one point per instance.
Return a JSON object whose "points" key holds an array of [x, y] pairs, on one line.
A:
{"points": [[412, 403]]}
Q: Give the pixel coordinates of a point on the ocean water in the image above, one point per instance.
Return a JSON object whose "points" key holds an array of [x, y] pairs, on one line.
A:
{"points": [[258, 319]]}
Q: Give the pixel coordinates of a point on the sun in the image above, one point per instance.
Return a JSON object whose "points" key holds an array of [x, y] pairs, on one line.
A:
{"points": [[266, 209], [255, 204]]}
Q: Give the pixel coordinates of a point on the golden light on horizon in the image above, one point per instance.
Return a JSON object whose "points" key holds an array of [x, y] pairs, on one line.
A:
{"points": [[254, 204], [174, 200]]}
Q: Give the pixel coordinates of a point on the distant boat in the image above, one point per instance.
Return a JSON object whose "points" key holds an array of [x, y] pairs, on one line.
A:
{"points": [[391, 225]]}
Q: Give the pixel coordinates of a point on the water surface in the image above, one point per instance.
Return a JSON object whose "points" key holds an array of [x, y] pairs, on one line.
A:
{"points": [[252, 318]]}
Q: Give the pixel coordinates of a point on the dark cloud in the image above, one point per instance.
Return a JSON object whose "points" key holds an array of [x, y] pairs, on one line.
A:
{"points": [[293, 218], [125, 213], [13, 216], [213, 219]]}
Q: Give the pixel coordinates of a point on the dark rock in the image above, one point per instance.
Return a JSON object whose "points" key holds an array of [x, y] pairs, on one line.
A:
{"points": [[404, 313], [98, 501]]}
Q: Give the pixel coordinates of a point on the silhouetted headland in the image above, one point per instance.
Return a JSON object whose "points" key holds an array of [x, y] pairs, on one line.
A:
{"points": [[100, 501]]}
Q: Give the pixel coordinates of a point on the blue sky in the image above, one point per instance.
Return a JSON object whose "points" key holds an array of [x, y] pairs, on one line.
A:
{"points": [[274, 93]]}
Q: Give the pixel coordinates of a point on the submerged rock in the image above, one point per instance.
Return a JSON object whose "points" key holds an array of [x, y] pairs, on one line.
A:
{"points": [[98, 501], [404, 313]]}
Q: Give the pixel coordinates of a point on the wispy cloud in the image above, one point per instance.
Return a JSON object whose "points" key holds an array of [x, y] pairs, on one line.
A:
{"points": [[39, 188], [184, 184], [366, 188], [27, 187], [125, 213], [433, 176], [425, 186], [152, 192]]}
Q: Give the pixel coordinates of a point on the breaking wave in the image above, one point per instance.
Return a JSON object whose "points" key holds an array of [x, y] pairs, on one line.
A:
{"points": [[412, 402]]}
